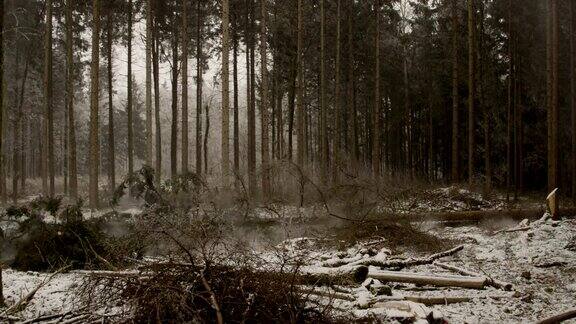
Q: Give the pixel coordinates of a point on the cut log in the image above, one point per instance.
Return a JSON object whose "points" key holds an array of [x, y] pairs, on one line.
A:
{"points": [[327, 276], [489, 281], [426, 279], [437, 300], [327, 294], [559, 317]]}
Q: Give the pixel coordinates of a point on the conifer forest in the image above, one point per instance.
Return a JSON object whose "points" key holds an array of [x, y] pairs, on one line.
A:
{"points": [[287, 161]]}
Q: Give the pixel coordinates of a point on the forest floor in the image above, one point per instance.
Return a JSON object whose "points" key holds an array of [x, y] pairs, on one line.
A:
{"points": [[536, 257]]}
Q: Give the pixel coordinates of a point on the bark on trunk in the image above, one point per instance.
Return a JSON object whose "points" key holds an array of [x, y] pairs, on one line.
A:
{"points": [[225, 149], [73, 180], [94, 74], [184, 158]]}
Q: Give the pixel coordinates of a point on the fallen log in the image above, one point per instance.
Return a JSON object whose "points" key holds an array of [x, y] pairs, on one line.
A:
{"points": [[426, 279], [327, 294], [489, 281], [346, 275], [398, 263], [559, 317], [480, 215]]}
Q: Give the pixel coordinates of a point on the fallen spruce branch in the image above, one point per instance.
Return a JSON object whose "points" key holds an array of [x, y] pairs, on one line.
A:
{"points": [[559, 317], [400, 264], [489, 281], [426, 279]]}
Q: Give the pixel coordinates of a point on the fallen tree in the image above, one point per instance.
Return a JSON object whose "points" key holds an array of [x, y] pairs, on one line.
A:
{"points": [[426, 279], [489, 281]]}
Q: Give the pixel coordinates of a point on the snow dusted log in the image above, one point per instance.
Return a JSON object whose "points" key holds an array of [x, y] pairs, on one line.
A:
{"points": [[559, 317], [481, 215], [489, 281], [327, 294], [411, 262], [343, 275], [426, 279]]}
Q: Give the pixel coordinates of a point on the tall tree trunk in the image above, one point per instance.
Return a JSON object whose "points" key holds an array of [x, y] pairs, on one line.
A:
{"points": [[206, 133], [471, 89], [199, 82], [225, 92], [158, 125], [184, 159], [149, 41], [353, 141], [510, 103], [376, 109], [73, 180], [111, 146], [174, 128], [337, 107], [455, 172], [252, 109], [300, 114], [18, 134], [94, 160], [48, 88], [264, 105], [573, 92], [2, 192], [129, 103], [484, 107], [324, 164], [236, 126], [553, 110]]}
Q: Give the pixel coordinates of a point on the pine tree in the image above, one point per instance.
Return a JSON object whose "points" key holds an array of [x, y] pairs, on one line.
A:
{"points": [[94, 85]]}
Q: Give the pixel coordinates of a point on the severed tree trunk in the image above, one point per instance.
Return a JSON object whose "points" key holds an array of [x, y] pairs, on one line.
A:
{"points": [[455, 176], [111, 149], [376, 108], [149, 41], [129, 108], [73, 175], [94, 85], [199, 82], [264, 106], [225, 92], [184, 159]]}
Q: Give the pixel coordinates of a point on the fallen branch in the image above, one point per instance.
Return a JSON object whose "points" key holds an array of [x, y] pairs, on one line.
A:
{"points": [[559, 317], [489, 281], [410, 262], [425, 279], [327, 294], [514, 229]]}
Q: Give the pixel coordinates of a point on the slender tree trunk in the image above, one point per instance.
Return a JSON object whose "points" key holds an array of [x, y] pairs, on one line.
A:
{"points": [[49, 109], [471, 90], [199, 82], [149, 41], [94, 160], [184, 87], [573, 93], [484, 106], [376, 109], [236, 116], [300, 114], [2, 192], [553, 115], [455, 173], [206, 133], [18, 134], [129, 103], [351, 101], [225, 92], [73, 180], [292, 93], [252, 109], [111, 146], [155, 63], [510, 103], [324, 164], [174, 128], [264, 106], [337, 107]]}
